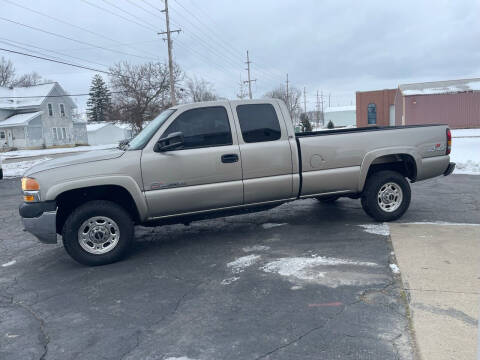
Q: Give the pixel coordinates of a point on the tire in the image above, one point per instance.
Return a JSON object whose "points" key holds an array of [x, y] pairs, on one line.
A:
{"points": [[328, 199], [100, 221], [386, 195]]}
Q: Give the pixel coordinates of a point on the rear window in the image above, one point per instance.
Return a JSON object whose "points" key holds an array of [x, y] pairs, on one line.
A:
{"points": [[258, 122]]}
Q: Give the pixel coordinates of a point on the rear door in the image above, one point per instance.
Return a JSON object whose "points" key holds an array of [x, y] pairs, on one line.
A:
{"points": [[206, 174], [265, 151]]}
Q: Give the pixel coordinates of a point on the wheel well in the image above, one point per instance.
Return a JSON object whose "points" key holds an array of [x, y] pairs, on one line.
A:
{"points": [[71, 199], [402, 163]]}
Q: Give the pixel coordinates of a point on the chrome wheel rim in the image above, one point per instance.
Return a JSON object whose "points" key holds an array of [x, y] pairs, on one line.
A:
{"points": [[390, 197], [98, 235]]}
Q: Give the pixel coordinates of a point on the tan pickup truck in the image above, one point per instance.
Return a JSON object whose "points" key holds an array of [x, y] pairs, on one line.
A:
{"points": [[220, 158]]}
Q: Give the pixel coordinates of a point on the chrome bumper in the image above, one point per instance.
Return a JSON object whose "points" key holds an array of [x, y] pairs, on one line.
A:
{"points": [[43, 227]]}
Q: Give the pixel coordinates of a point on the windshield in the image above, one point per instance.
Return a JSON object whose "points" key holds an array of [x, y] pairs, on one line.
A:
{"points": [[144, 136]]}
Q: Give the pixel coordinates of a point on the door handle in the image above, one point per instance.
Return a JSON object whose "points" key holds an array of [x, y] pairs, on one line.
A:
{"points": [[229, 158]]}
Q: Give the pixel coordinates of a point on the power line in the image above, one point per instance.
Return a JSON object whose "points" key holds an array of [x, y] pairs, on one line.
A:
{"points": [[72, 39], [249, 81], [53, 60], [130, 14]]}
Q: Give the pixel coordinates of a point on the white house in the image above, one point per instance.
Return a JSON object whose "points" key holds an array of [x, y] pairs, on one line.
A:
{"points": [[100, 133], [36, 117], [340, 116]]}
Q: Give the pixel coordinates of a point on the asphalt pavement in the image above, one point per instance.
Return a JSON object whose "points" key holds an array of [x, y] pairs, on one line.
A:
{"points": [[301, 281]]}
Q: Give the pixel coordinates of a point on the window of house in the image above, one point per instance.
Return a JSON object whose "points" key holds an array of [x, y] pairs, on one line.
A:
{"points": [[59, 133], [54, 131], [62, 110], [2, 135], [258, 122], [372, 114], [50, 109], [203, 127], [64, 132]]}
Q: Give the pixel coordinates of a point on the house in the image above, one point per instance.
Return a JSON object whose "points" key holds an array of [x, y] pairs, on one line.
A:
{"points": [[340, 116], [106, 132], [452, 102], [36, 117]]}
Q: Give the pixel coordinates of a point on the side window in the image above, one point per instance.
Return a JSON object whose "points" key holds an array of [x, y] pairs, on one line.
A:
{"points": [[258, 122], [54, 131], [62, 110], [2, 134], [64, 133], [203, 127], [372, 114], [50, 109]]}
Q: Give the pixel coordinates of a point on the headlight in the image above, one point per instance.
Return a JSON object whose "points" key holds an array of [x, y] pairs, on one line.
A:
{"points": [[30, 189]]}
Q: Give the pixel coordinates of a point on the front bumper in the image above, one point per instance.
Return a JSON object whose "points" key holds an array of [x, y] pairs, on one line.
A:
{"points": [[449, 170], [40, 220]]}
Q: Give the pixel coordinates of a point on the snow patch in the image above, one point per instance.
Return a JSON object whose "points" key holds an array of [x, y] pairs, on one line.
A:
{"points": [[378, 229], [228, 281], [10, 263], [439, 223], [324, 271], [395, 269], [255, 248], [239, 265], [466, 152], [272, 225], [42, 152], [17, 169]]}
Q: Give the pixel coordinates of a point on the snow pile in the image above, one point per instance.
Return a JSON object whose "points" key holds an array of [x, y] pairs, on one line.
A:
{"points": [[17, 169], [466, 151], [378, 229], [395, 269], [239, 265], [325, 271]]}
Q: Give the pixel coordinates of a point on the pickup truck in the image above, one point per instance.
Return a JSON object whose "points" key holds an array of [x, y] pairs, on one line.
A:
{"points": [[213, 159]]}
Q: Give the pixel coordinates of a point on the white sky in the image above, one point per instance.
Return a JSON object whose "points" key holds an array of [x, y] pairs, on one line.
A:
{"points": [[333, 46]]}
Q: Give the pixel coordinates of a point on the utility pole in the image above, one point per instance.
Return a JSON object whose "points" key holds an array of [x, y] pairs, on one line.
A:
{"points": [[170, 60], [249, 81], [305, 99], [329, 99], [318, 109]]}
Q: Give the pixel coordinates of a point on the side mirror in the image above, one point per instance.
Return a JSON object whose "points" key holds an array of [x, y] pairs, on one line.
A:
{"points": [[170, 142]]}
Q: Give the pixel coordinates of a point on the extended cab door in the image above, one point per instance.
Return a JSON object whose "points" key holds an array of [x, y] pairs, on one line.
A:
{"points": [[265, 149], [205, 174]]}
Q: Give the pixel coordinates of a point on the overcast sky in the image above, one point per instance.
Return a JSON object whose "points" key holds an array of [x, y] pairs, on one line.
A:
{"points": [[333, 46]]}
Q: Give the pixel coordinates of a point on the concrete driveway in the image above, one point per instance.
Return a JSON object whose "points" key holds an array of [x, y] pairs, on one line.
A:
{"points": [[302, 281]]}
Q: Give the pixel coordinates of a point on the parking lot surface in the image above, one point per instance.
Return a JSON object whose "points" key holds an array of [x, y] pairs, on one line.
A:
{"points": [[302, 281]]}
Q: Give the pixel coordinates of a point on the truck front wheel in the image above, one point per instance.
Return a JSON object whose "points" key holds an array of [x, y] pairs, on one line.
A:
{"points": [[386, 195], [98, 233]]}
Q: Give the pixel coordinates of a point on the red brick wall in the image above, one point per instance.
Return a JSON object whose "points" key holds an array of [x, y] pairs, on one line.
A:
{"points": [[382, 99]]}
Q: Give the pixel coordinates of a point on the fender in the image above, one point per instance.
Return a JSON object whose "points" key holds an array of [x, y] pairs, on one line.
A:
{"points": [[126, 182], [370, 157]]}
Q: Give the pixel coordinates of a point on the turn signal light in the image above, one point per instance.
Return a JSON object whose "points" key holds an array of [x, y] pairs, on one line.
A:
{"points": [[29, 184], [449, 141], [28, 198]]}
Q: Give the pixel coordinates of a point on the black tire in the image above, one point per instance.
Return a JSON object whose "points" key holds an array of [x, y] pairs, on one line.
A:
{"points": [[92, 209], [370, 199], [328, 199]]}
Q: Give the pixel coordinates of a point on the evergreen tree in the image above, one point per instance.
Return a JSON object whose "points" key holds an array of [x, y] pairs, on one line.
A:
{"points": [[99, 104], [330, 125], [305, 123]]}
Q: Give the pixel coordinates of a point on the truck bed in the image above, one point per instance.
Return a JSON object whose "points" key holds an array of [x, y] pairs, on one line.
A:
{"points": [[361, 129]]}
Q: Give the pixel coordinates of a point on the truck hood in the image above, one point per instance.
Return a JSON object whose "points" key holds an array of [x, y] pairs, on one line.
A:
{"points": [[84, 157]]}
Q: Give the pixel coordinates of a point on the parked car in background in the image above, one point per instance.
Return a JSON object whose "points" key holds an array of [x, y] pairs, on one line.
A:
{"points": [[220, 158]]}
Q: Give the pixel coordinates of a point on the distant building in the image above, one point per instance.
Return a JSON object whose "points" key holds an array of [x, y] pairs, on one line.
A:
{"points": [[375, 107], [452, 102], [100, 133], [36, 117], [340, 116]]}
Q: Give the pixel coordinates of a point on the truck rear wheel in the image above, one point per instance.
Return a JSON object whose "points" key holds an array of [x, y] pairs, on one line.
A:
{"points": [[386, 196], [97, 233]]}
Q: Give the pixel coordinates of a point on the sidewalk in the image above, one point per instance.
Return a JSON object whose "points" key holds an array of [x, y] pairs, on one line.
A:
{"points": [[440, 269]]}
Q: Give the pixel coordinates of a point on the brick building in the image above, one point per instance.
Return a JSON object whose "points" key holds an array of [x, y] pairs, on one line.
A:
{"points": [[376, 107]]}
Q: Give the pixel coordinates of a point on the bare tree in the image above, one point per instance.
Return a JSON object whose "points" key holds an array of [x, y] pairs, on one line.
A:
{"points": [[30, 79], [200, 90], [7, 72], [292, 100], [242, 90], [142, 91]]}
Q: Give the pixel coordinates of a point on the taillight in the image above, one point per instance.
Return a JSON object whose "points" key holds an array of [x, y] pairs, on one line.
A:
{"points": [[449, 141]]}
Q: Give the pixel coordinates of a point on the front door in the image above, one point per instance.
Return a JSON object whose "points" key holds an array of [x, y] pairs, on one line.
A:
{"points": [[9, 138], [205, 174]]}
